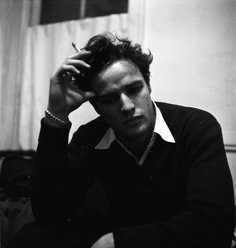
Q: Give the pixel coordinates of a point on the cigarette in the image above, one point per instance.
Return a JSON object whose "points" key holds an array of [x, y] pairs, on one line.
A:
{"points": [[76, 49]]}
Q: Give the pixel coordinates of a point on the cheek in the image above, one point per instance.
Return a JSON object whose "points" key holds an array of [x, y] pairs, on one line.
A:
{"points": [[144, 100]]}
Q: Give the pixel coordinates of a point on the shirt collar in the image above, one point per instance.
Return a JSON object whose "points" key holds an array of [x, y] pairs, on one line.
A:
{"points": [[160, 128]]}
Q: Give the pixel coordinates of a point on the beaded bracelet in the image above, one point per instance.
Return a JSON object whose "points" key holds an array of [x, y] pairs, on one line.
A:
{"points": [[56, 119]]}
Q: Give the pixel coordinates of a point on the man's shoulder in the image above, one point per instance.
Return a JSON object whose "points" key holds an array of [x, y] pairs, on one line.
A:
{"points": [[178, 117], [175, 107], [175, 111]]}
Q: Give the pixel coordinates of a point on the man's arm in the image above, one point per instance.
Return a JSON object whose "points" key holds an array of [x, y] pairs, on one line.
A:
{"points": [[54, 179], [48, 176]]}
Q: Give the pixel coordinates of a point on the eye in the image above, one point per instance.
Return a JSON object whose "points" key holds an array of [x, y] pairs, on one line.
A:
{"points": [[109, 99], [133, 90]]}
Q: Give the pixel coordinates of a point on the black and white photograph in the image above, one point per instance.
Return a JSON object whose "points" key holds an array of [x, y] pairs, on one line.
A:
{"points": [[117, 123]]}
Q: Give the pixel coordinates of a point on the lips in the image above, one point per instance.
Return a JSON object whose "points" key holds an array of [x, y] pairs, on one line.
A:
{"points": [[133, 120]]}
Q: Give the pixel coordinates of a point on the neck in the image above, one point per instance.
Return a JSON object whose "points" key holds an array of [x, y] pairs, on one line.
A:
{"points": [[138, 145]]}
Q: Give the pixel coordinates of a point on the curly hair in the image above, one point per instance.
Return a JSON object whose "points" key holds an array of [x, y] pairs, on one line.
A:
{"points": [[108, 48]]}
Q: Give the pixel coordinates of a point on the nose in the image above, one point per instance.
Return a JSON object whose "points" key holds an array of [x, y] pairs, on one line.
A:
{"points": [[127, 105]]}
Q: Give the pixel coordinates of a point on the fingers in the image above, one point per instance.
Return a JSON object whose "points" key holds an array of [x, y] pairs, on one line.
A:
{"points": [[72, 66], [79, 64], [82, 54], [72, 88], [69, 70], [70, 74]]}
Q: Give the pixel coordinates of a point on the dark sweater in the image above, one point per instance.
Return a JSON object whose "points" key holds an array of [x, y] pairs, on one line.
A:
{"points": [[182, 196]]}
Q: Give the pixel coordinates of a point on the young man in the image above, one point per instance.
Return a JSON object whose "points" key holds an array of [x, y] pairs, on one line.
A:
{"points": [[143, 174]]}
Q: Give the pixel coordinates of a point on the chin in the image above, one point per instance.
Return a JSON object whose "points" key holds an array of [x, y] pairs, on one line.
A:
{"points": [[136, 132]]}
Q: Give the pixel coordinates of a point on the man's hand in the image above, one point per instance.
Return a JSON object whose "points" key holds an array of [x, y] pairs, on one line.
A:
{"points": [[106, 241], [64, 95]]}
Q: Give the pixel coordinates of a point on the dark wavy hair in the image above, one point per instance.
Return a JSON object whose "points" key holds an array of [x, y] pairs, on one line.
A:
{"points": [[108, 48]]}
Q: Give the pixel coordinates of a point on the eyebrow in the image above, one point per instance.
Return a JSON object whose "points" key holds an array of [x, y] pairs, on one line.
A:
{"points": [[106, 96], [132, 84]]}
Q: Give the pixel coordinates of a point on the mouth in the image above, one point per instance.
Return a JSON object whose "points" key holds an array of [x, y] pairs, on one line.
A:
{"points": [[133, 120]]}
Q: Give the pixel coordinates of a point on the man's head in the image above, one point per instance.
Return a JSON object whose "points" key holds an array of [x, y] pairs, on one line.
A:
{"points": [[123, 100], [119, 76]]}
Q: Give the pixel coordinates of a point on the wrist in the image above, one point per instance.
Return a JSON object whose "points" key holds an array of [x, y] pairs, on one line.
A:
{"points": [[56, 120], [61, 114]]}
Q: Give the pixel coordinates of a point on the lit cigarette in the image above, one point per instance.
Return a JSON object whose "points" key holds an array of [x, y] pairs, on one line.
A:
{"points": [[76, 49]]}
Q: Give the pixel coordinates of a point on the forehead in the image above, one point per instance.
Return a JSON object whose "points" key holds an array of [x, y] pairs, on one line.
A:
{"points": [[116, 75]]}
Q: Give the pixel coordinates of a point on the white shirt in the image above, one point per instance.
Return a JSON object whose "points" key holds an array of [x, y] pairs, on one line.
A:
{"points": [[160, 128]]}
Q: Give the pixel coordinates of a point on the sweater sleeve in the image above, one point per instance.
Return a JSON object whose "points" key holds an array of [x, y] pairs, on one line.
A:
{"points": [[207, 216], [55, 178]]}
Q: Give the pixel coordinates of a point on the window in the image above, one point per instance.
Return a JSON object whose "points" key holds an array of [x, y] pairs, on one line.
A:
{"points": [[64, 10]]}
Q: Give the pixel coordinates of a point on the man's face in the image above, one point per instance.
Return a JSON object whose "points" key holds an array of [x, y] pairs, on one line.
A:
{"points": [[123, 99]]}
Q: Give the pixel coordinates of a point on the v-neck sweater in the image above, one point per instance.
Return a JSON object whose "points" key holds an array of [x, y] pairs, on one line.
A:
{"points": [[182, 196]]}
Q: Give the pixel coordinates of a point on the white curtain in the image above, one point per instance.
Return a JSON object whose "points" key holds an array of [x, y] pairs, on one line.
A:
{"points": [[15, 17], [46, 48]]}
